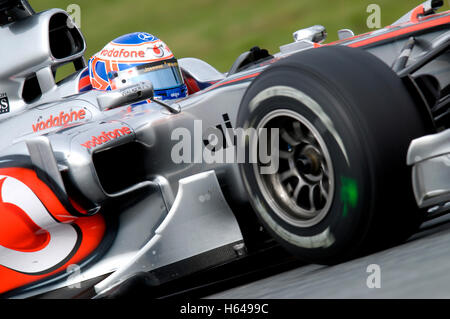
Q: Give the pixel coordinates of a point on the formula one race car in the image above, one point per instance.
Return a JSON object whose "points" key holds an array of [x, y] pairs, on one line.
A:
{"points": [[326, 149]]}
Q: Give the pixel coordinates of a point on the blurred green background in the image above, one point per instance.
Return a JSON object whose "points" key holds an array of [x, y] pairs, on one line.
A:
{"points": [[218, 31]]}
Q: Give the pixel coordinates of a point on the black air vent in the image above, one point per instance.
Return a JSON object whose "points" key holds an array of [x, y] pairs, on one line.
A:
{"points": [[120, 167], [31, 89], [64, 41]]}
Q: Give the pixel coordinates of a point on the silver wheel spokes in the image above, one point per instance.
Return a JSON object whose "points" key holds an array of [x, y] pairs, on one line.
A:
{"points": [[309, 191], [302, 188]]}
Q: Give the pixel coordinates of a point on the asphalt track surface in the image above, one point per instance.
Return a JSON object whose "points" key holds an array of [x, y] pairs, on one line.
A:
{"points": [[419, 268]]}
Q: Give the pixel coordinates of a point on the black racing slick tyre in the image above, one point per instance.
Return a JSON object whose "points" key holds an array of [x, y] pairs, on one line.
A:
{"points": [[338, 123]]}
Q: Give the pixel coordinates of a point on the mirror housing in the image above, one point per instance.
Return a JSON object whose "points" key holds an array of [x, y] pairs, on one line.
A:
{"points": [[316, 34], [130, 94]]}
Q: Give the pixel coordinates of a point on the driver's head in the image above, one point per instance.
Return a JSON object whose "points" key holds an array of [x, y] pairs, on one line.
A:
{"points": [[137, 57]]}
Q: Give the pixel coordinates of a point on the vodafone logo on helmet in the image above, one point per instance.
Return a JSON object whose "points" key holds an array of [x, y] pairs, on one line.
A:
{"points": [[122, 53], [146, 52], [158, 50]]}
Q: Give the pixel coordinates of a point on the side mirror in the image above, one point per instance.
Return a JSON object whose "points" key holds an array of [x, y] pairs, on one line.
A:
{"points": [[316, 34], [134, 93]]}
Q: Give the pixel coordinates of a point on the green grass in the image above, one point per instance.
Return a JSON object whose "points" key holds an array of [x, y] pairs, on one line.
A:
{"points": [[218, 31]]}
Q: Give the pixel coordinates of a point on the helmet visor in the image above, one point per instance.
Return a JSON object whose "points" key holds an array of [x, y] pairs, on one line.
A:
{"points": [[163, 75]]}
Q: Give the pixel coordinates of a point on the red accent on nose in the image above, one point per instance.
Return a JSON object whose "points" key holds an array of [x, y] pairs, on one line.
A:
{"points": [[18, 231]]}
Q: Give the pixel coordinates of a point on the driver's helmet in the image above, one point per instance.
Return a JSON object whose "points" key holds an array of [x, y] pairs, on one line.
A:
{"points": [[137, 57]]}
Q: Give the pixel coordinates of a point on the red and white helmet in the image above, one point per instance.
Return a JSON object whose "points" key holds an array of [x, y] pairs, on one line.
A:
{"points": [[137, 57]]}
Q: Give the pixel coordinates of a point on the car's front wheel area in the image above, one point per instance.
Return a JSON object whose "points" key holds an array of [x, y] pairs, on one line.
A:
{"points": [[343, 122]]}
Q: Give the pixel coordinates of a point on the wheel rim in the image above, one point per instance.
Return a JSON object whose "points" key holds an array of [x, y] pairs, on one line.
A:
{"points": [[301, 190]]}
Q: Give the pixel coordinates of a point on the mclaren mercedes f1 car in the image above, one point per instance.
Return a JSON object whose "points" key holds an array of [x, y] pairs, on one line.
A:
{"points": [[97, 189]]}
